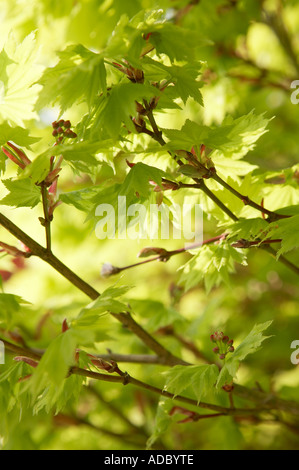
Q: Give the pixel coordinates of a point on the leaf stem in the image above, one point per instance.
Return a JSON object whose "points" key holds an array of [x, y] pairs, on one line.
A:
{"points": [[247, 201], [93, 294], [47, 219]]}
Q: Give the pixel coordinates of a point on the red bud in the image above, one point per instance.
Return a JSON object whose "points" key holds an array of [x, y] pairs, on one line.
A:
{"points": [[65, 326], [28, 360]]}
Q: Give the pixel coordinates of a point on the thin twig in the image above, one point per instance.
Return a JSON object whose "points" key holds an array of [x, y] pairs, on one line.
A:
{"points": [[46, 221], [125, 318]]}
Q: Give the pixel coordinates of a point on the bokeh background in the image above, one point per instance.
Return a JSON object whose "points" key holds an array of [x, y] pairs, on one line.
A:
{"points": [[250, 64]]}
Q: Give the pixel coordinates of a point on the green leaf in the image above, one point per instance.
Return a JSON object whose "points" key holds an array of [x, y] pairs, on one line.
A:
{"points": [[184, 77], [92, 325], [242, 135], [137, 180], [213, 264], [81, 199], [55, 362], [176, 42], [191, 171], [202, 379], [249, 229], [18, 75], [22, 193], [287, 231], [162, 420], [119, 106], [10, 306], [249, 345], [192, 134], [79, 73], [17, 135]]}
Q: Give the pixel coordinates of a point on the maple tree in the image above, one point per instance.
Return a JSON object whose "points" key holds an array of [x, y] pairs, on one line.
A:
{"points": [[166, 103]]}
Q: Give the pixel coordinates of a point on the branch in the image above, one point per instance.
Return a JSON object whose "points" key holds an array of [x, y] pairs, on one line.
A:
{"points": [[266, 402], [46, 221], [247, 201], [218, 202], [167, 357], [125, 318]]}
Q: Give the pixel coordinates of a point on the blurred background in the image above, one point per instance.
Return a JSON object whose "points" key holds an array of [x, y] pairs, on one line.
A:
{"points": [[250, 64]]}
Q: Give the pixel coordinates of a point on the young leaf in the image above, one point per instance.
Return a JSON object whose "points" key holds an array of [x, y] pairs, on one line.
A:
{"points": [[249, 345], [202, 379], [119, 106], [55, 362], [79, 73], [287, 230], [137, 180], [22, 193], [18, 75], [17, 134]]}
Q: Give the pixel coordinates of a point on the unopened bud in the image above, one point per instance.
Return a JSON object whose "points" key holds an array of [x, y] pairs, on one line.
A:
{"points": [[70, 134], [28, 360], [151, 251], [108, 270], [65, 326]]}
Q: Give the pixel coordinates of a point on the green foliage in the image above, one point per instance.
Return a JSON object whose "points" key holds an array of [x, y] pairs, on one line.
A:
{"points": [[213, 264], [165, 103], [22, 193], [79, 74], [19, 73], [202, 379], [249, 345]]}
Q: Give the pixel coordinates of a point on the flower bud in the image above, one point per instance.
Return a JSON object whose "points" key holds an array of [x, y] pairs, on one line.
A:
{"points": [[225, 339], [70, 134], [218, 335], [28, 360], [65, 326], [5, 275], [216, 350], [108, 270]]}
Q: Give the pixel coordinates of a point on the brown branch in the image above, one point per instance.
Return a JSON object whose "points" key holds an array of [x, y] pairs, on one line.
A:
{"points": [[46, 221], [166, 357], [272, 216], [124, 378], [125, 318], [265, 402], [212, 174]]}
